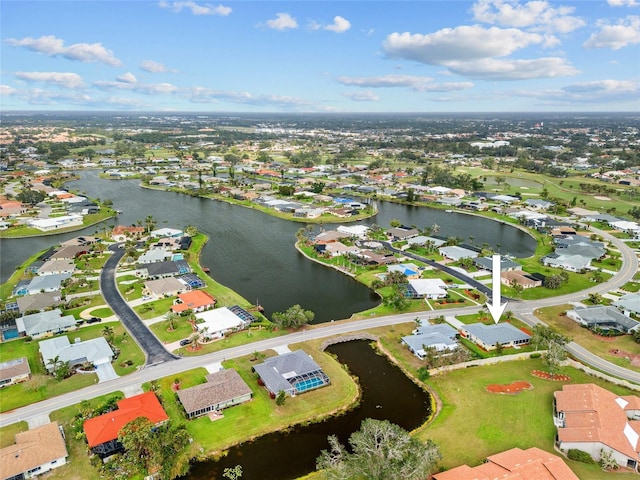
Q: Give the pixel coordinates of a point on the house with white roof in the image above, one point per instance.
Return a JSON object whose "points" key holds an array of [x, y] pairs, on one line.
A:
{"points": [[456, 253], [441, 337], [45, 323], [629, 304], [55, 223], [427, 288], [96, 351], [359, 231], [217, 322], [603, 317], [489, 336]]}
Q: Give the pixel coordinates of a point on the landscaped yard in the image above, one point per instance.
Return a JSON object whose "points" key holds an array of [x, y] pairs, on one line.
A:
{"points": [[553, 316], [474, 423]]}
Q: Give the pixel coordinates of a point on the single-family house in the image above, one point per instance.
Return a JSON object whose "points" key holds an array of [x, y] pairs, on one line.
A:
{"points": [[456, 253], [330, 236], [604, 318], [629, 304], [120, 233], [164, 287], [398, 234], [96, 351], [441, 337], [69, 252], [538, 204], [102, 431], [506, 264], [337, 249], [166, 232], [427, 288], [222, 389], [57, 266], [220, 321], [571, 263], [359, 231], [14, 371], [34, 452], [489, 336], [423, 240], [369, 257], [45, 323], [44, 283], [518, 277], [154, 255], [38, 301], [596, 421], [195, 300], [168, 268], [292, 372], [55, 223], [515, 464]]}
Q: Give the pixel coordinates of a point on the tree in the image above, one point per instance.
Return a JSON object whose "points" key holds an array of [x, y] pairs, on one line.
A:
{"points": [[30, 197], [171, 318], [281, 398], [293, 317], [191, 230], [380, 450], [553, 281], [156, 450], [553, 342], [149, 223], [107, 332]]}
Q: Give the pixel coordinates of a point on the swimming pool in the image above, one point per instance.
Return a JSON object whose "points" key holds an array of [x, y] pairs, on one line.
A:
{"points": [[304, 385]]}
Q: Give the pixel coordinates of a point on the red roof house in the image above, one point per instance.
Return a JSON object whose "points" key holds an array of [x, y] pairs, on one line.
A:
{"points": [[196, 300], [102, 432], [514, 464]]}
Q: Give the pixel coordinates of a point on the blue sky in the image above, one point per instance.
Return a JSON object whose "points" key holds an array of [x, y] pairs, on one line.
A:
{"points": [[321, 56]]}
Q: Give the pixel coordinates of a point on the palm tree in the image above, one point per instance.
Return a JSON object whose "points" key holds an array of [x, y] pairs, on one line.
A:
{"points": [[149, 223], [171, 317], [107, 332], [55, 363]]}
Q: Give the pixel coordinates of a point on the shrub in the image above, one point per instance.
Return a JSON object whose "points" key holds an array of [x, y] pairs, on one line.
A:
{"points": [[535, 355], [580, 456], [423, 373]]}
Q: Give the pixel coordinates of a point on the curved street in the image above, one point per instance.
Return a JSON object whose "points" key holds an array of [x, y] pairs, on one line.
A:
{"points": [[154, 350], [158, 358]]}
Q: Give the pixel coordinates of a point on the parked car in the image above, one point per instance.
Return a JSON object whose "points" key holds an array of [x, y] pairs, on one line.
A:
{"points": [[185, 341], [94, 320]]}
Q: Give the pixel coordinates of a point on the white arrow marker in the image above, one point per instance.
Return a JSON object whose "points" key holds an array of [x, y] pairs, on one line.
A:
{"points": [[495, 308]]}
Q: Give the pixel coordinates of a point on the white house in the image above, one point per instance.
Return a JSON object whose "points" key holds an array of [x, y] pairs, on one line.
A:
{"points": [[215, 323], [96, 351], [429, 288], [441, 337], [55, 223]]}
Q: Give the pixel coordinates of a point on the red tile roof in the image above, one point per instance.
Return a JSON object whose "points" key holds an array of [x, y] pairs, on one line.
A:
{"points": [[193, 299], [593, 414], [514, 464], [106, 427]]}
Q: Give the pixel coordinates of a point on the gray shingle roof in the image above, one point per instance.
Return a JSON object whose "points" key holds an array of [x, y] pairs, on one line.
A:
{"points": [[503, 333], [276, 371], [221, 387]]}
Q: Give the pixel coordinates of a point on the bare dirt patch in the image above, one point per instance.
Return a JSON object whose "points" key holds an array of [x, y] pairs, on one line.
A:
{"points": [[548, 376], [600, 197], [512, 388], [634, 358]]}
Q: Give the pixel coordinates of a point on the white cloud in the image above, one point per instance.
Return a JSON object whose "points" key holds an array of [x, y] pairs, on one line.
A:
{"points": [[536, 14], [606, 87], [82, 52], [59, 79], [464, 43], [207, 95], [195, 8], [604, 92], [7, 90], [126, 83], [127, 78], [365, 96], [499, 69], [419, 84], [623, 3], [154, 67], [626, 32], [339, 25], [282, 22]]}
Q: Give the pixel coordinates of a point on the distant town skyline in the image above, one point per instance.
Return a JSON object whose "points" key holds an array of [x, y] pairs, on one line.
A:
{"points": [[321, 56]]}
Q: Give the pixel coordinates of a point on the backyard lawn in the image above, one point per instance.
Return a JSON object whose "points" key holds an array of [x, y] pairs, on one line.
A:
{"points": [[474, 423], [553, 316]]}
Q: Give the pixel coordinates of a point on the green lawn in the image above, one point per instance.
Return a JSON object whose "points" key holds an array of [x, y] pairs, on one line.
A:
{"points": [[474, 423], [8, 433], [78, 465], [79, 305], [182, 330], [554, 317], [130, 291], [260, 415], [154, 309]]}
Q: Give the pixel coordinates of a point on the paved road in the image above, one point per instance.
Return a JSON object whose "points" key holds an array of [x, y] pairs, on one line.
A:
{"points": [[154, 350], [523, 310]]}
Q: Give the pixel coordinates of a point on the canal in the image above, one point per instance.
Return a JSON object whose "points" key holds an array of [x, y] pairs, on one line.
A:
{"points": [[387, 394]]}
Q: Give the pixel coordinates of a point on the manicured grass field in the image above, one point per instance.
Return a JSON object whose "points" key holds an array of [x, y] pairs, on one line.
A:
{"points": [[474, 423], [182, 330]]}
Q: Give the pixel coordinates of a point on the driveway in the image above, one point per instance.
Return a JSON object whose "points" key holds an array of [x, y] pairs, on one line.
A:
{"points": [[105, 372]]}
